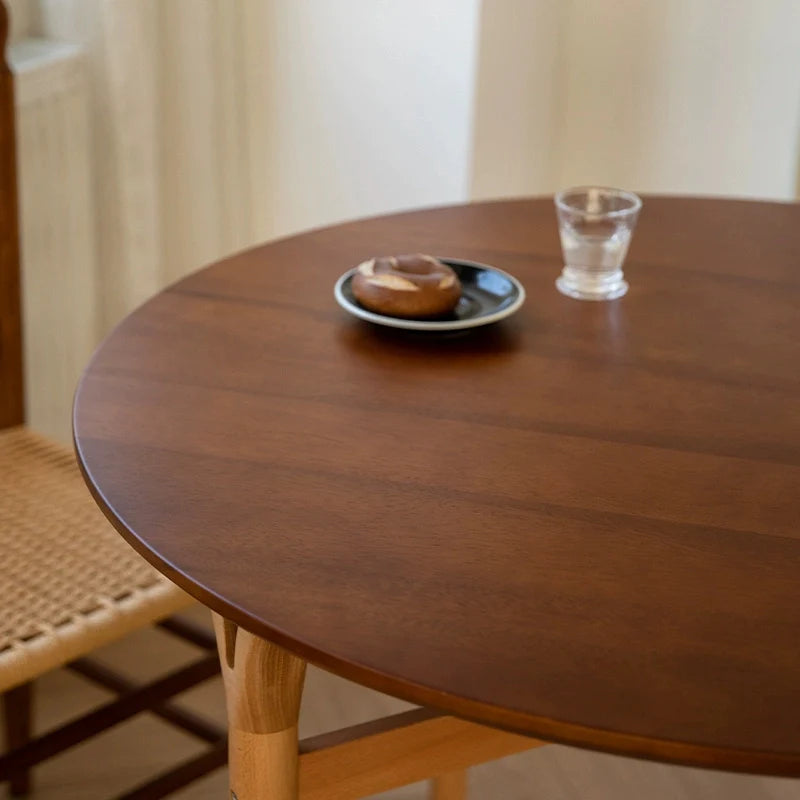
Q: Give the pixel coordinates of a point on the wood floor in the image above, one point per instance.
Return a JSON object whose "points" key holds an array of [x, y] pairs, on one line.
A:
{"points": [[123, 757]]}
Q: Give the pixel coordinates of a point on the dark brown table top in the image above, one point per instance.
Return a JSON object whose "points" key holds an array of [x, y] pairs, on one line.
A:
{"points": [[582, 523]]}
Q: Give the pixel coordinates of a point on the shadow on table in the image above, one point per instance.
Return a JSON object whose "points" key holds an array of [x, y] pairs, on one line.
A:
{"points": [[368, 340]]}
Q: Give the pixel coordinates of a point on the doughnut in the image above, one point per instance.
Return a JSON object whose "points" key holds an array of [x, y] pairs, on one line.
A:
{"points": [[413, 286]]}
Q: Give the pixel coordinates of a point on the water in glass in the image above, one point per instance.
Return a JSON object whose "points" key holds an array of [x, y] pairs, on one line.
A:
{"points": [[595, 225]]}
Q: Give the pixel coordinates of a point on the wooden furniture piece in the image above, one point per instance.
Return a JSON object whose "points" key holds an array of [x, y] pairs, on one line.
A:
{"points": [[68, 583], [581, 524]]}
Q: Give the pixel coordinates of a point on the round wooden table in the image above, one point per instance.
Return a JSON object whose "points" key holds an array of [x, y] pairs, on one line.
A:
{"points": [[581, 523]]}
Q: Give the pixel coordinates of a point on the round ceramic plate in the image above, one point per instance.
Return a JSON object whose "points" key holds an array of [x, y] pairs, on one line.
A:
{"points": [[487, 295]]}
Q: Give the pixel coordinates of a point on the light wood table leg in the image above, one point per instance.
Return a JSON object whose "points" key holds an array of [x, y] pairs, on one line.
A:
{"points": [[451, 786], [263, 686]]}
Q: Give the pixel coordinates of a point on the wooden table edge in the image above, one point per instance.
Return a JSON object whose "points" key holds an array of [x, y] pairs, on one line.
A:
{"points": [[551, 730]]}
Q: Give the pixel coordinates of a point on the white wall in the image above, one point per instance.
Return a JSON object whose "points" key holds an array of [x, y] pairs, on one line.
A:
{"points": [[695, 96], [372, 105]]}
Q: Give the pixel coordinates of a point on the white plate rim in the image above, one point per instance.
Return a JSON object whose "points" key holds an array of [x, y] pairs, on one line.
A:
{"points": [[433, 325]]}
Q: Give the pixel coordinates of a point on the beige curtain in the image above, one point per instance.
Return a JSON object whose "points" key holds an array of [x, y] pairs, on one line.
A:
{"points": [[195, 128], [674, 96], [177, 131], [142, 130], [210, 117], [179, 125]]}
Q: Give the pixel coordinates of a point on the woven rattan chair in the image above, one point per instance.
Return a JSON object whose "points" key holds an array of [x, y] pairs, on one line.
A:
{"points": [[68, 582]]}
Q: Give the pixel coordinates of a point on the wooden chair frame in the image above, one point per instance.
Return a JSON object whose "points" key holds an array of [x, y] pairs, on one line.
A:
{"points": [[23, 750], [26, 752]]}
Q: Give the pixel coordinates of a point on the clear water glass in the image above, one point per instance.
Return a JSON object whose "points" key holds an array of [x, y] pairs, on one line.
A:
{"points": [[596, 225]]}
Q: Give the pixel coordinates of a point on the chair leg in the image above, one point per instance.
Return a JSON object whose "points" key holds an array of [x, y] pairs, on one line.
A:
{"points": [[18, 713]]}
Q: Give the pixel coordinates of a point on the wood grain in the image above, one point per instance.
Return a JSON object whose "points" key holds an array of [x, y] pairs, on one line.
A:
{"points": [[451, 786], [580, 524], [17, 706], [12, 401], [263, 687], [396, 751]]}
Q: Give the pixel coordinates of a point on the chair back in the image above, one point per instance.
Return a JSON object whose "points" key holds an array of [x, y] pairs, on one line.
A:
{"points": [[12, 407]]}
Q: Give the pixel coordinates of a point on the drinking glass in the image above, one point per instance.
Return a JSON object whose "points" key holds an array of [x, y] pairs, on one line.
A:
{"points": [[595, 224]]}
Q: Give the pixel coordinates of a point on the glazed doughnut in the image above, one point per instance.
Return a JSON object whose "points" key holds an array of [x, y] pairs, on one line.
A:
{"points": [[415, 286]]}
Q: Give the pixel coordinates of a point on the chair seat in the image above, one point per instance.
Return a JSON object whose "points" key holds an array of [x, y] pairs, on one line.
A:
{"points": [[68, 582]]}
